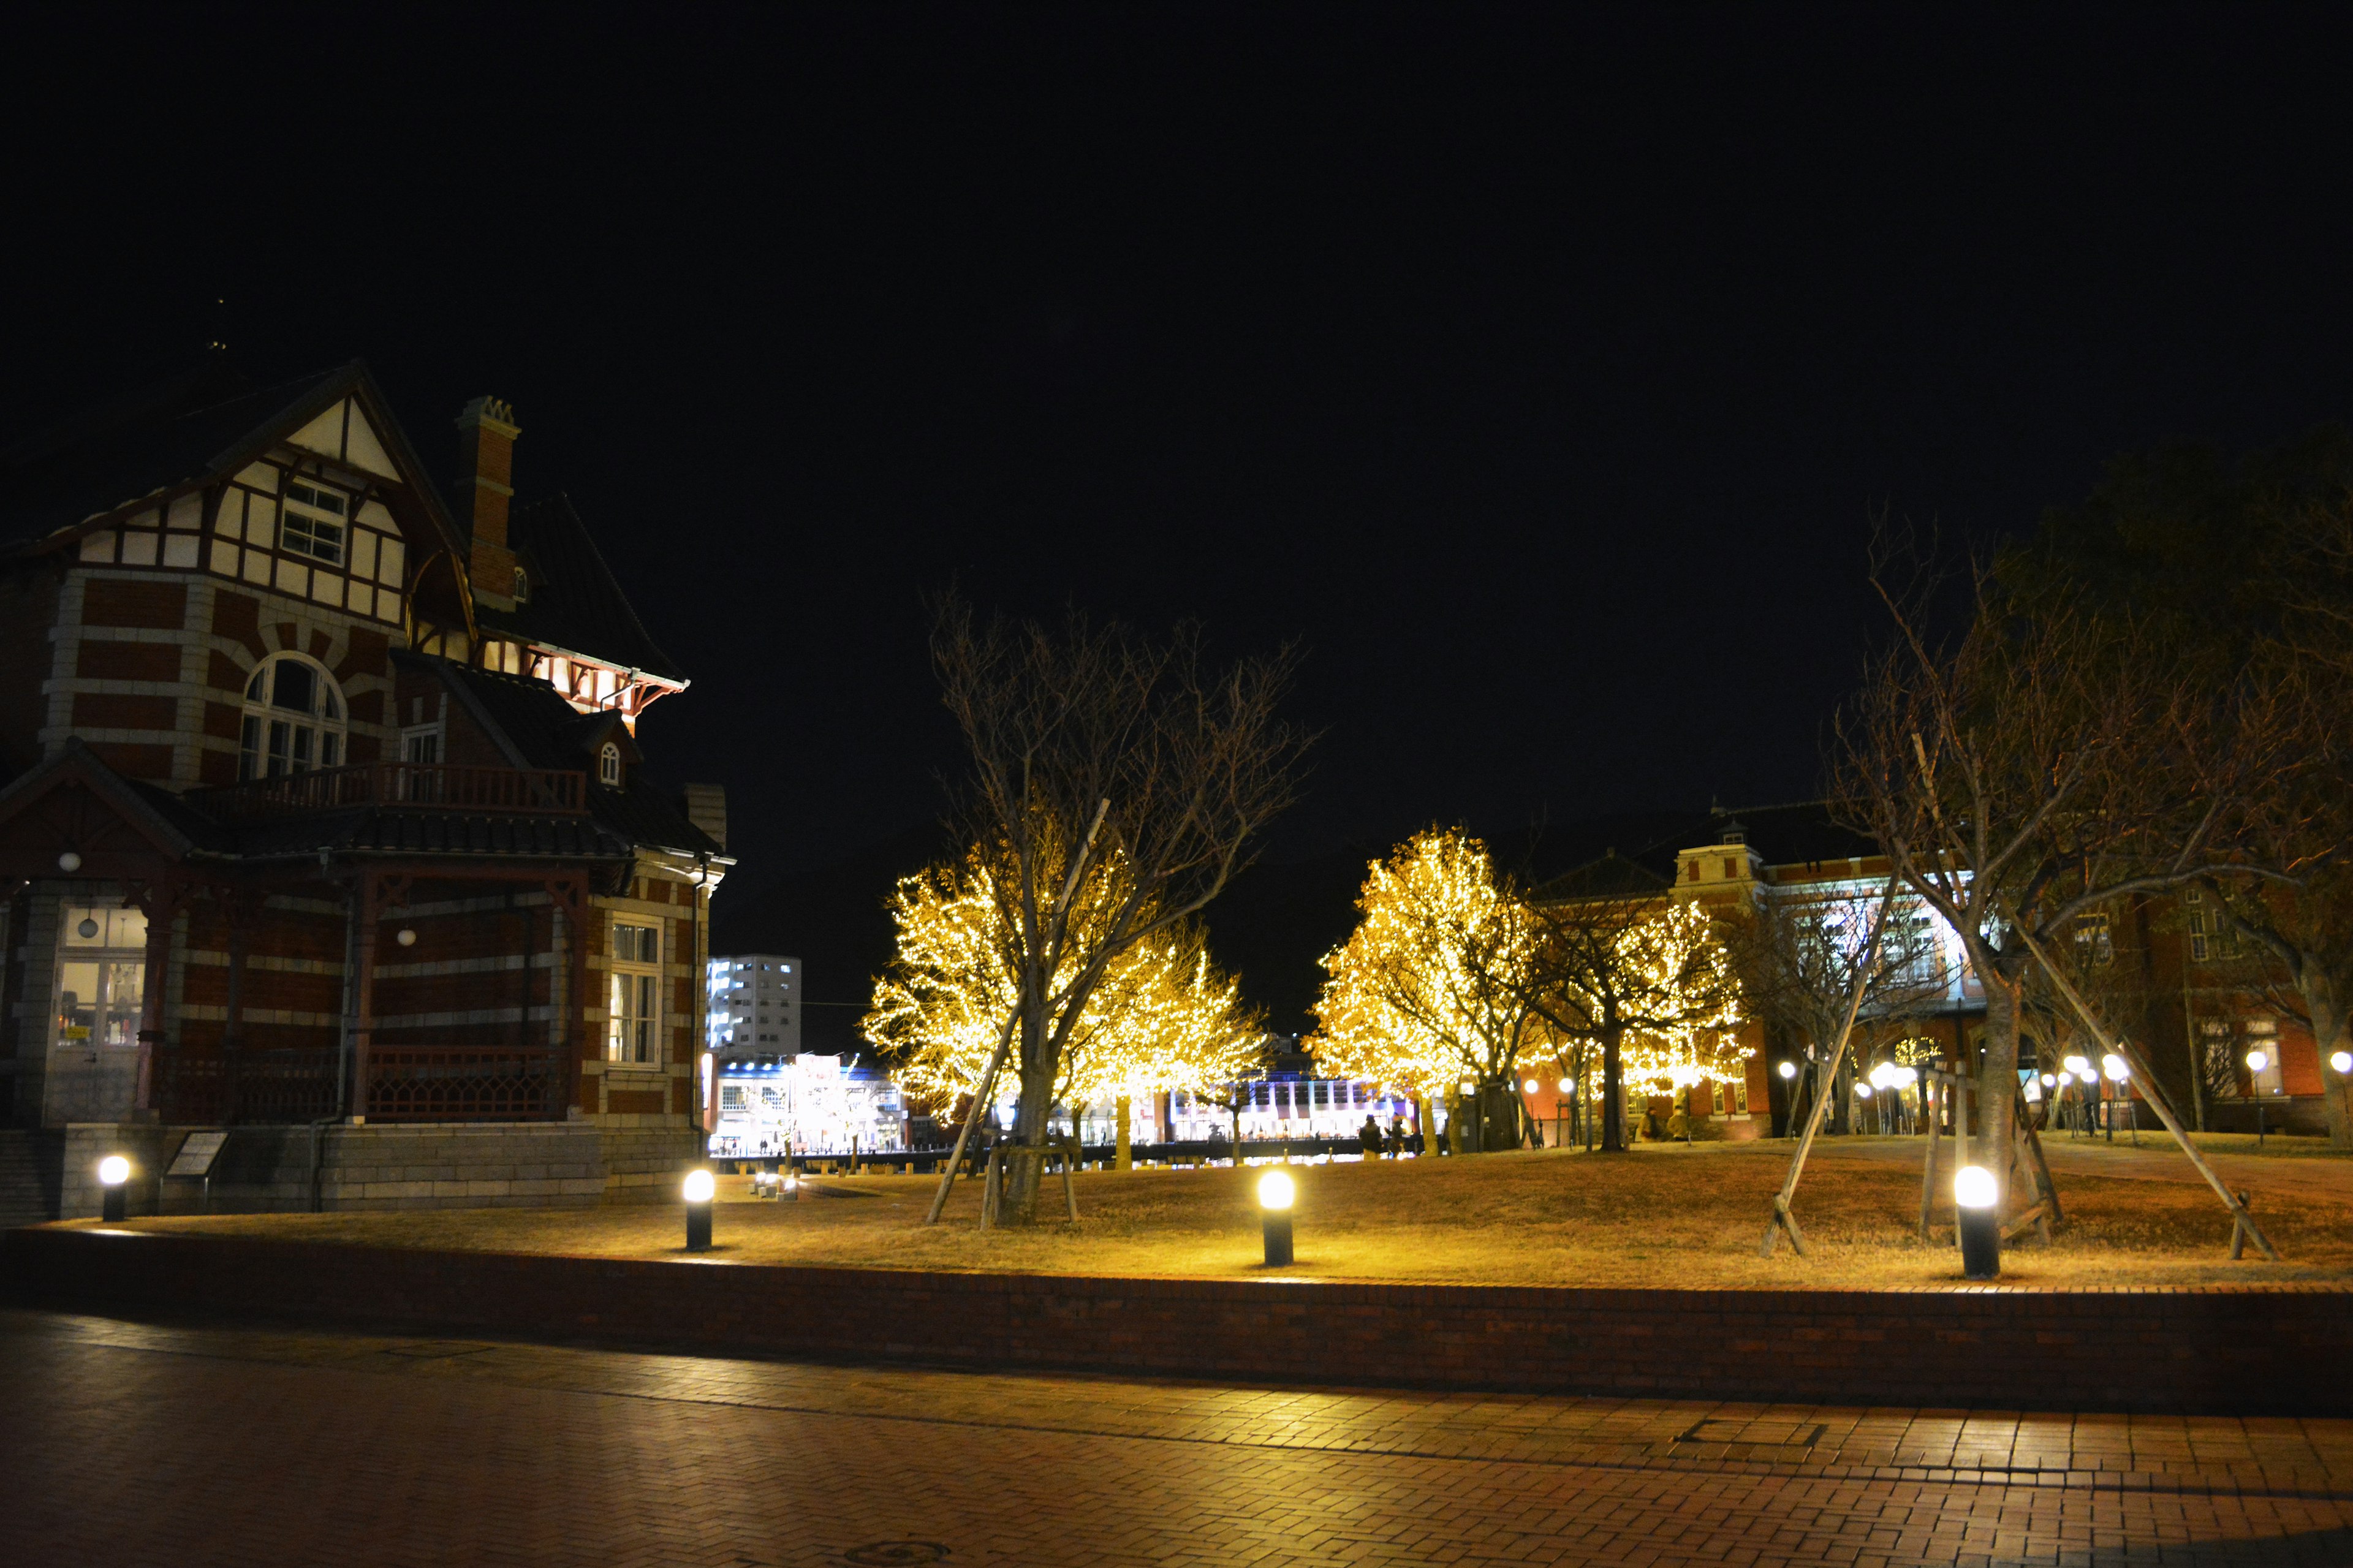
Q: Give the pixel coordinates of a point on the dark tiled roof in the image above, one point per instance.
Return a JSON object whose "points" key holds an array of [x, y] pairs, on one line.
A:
{"points": [[186, 426], [541, 729], [1799, 834], [575, 603]]}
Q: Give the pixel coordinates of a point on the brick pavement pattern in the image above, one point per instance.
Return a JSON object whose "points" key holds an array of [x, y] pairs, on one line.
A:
{"points": [[134, 1444]]}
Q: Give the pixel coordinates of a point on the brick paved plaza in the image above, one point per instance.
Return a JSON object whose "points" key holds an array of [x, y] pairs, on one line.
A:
{"points": [[129, 1444]]}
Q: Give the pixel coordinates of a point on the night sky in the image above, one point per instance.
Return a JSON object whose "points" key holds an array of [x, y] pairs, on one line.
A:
{"points": [[1542, 381]]}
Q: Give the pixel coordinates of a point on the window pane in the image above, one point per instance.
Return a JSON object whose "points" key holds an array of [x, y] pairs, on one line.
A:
{"points": [[281, 736], [296, 688], [331, 749], [77, 1002]]}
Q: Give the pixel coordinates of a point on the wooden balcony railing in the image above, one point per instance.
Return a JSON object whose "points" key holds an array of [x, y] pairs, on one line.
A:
{"points": [[429, 786]]}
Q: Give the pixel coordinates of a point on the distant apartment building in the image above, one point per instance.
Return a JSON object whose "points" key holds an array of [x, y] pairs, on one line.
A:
{"points": [[755, 1005]]}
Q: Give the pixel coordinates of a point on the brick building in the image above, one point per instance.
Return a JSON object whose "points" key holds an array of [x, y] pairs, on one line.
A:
{"points": [[325, 813], [2162, 970]]}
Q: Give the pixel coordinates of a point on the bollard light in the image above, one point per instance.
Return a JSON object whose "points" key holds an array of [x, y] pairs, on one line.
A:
{"points": [[1274, 1194], [1980, 1225], [698, 1190], [112, 1172], [2343, 1062]]}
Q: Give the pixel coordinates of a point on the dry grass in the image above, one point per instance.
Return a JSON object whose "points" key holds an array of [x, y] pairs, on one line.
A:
{"points": [[1666, 1217]]}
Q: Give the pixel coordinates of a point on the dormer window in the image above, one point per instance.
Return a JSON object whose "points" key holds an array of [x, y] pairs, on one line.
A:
{"points": [[608, 764], [312, 522], [522, 586]]}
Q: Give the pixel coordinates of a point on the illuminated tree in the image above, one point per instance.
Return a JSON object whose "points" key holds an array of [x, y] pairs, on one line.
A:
{"points": [[1162, 1017], [1120, 785], [1641, 978], [1432, 989]]}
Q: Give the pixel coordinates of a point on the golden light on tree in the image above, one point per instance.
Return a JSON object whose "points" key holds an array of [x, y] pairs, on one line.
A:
{"points": [[1431, 990], [1646, 980], [1162, 1018]]}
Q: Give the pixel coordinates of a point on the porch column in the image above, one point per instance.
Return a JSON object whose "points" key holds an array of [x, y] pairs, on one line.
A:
{"points": [[371, 898], [242, 911], [161, 901]]}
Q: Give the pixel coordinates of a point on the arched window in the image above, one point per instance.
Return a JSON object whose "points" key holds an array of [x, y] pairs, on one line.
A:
{"points": [[608, 764], [293, 719], [521, 586]]}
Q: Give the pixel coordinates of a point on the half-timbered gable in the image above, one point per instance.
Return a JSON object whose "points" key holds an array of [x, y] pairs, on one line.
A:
{"points": [[324, 807]]}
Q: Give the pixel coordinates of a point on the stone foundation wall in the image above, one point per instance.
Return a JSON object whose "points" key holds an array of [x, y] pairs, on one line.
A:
{"points": [[274, 1170], [2284, 1350]]}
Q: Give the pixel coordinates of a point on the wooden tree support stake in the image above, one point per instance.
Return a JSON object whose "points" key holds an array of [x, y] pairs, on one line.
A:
{"points": [[2242, 1223], [1781, 1218]]}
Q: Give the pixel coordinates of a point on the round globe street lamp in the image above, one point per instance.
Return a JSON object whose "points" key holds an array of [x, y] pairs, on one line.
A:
{"points": [[2256, 1062], [1274, 1194], [698, 1190], [113, 1172], [2343, 1062], [1980, 1225]]}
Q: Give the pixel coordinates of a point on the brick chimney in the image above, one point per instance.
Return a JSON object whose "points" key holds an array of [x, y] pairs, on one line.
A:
{"points": [[485, 438]]}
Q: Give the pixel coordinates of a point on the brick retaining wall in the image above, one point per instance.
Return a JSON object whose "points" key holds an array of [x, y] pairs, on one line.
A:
{"points": [[2248, 1351], [486, 1164]]}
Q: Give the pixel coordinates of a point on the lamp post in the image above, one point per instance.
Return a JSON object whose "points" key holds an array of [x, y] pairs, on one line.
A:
{"points": [[1274, 1194], [2256, 1062], [698, 1190], [113, 1172], [2119, 1071], [1980, 1225], [1789, 1071]]}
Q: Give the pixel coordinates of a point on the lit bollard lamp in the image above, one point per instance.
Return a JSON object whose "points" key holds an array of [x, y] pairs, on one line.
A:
{"points": [[1274, 1195], [699, 1186], [1980, 1222], [113, 1176]]}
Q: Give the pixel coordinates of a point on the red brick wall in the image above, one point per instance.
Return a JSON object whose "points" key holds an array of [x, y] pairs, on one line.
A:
{"points": [[152, 606], [128, 661], [28, 610], [2226, 1351]]}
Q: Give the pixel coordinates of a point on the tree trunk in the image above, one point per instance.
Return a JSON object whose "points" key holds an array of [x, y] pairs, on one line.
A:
{"points": [[1613, 1095], [1123, 1156], [1997, 1080], [1029, 1124], [1499, 1106], [2326, 1011]]}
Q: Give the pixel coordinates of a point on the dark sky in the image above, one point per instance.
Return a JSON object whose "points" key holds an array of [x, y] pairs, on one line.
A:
{"points": [[1540, 379]]}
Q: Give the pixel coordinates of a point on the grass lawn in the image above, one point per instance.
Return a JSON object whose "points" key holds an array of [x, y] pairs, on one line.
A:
{"points": [[1662, 1216]]}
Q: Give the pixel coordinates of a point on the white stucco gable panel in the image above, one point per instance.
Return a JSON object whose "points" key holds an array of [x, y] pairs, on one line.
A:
{"points": [[344, 433]]}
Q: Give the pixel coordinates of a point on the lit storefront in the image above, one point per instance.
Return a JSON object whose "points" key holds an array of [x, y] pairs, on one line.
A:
{"points": [[772, 1105]]}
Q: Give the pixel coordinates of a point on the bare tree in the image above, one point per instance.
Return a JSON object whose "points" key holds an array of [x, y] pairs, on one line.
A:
{"points": [[1798, 954], [1101, 758], [2044, 762]]}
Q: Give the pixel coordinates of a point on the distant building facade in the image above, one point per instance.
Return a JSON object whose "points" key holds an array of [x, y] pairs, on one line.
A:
{"points": [[2196, 1001], [323, 804], [754, 1004]]}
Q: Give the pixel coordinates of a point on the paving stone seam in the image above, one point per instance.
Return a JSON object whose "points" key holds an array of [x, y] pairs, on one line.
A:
{"points": [[2027, 1477]]}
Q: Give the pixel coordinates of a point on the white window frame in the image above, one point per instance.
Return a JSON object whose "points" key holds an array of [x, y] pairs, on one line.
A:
{"points": [[608, 765], [119, 950], [308, 528], [273, 741], [633, 1018]]}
